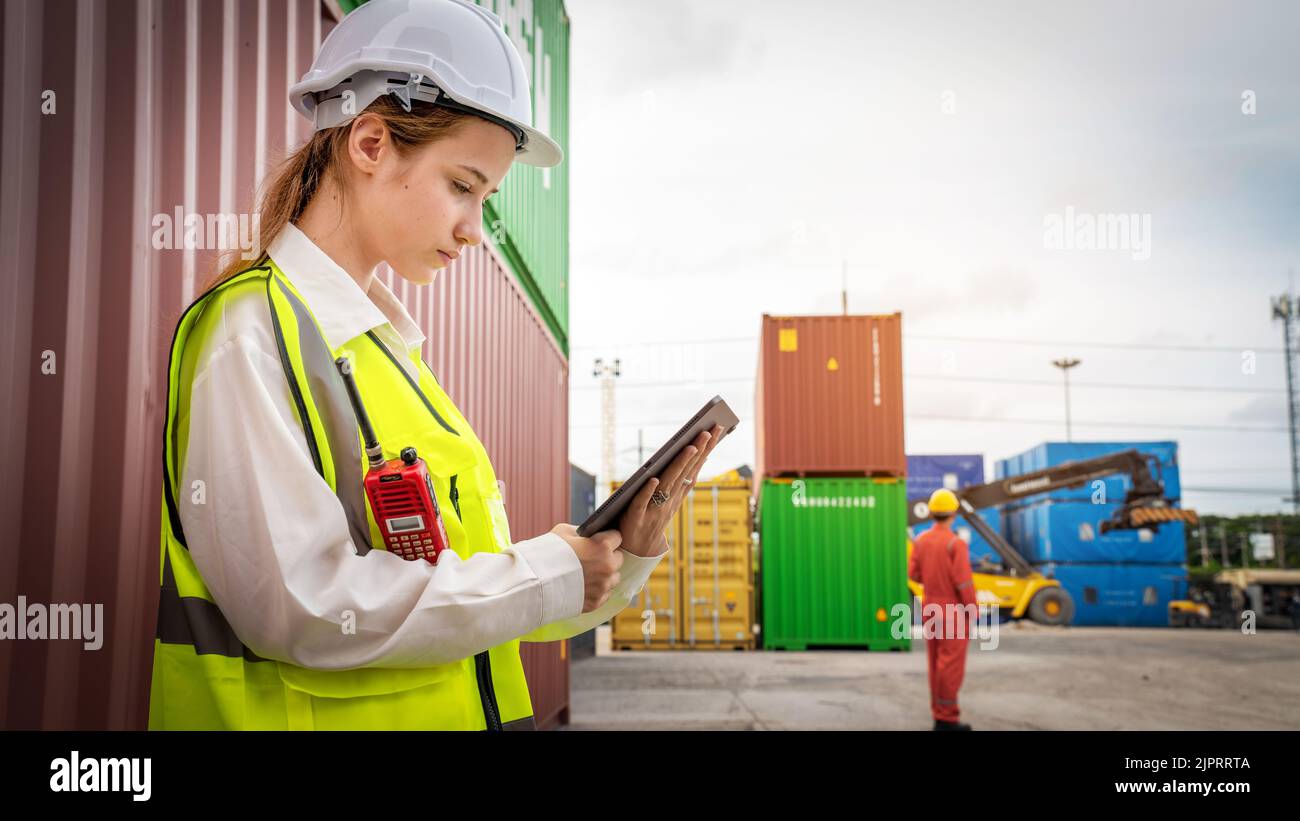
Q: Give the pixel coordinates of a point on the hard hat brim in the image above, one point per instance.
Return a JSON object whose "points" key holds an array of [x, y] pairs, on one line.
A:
{"points": [[539, 150]]}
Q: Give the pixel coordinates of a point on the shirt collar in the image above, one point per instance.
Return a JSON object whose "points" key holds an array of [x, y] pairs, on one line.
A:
{"points": [[341, 308]]}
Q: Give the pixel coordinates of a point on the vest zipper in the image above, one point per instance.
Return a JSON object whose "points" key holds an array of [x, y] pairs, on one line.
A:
{"points": [[482, 663], [490, 712]]}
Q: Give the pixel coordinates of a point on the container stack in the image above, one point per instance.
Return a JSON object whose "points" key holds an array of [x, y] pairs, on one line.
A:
{"points": [[1120, 578], [928, 473], [701, 596], [829, 481]]}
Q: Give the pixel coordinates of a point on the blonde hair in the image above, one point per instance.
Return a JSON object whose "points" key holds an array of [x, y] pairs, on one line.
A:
{"points": [[288, 189]]}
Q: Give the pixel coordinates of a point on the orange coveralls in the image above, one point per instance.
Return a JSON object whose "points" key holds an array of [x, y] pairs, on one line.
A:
{"points": [[941, 564]]}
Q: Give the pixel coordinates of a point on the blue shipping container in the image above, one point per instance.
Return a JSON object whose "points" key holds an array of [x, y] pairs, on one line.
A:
{"points": [[1120, 595], [928, 473], [1050, 454], [1055, 531], [979, 546]]}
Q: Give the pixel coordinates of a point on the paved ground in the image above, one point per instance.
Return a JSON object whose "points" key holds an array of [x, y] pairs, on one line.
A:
{"points": [[1037, 678]]}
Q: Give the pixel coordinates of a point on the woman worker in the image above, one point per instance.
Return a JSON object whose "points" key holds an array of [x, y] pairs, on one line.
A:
{"points": [[283, 605]]}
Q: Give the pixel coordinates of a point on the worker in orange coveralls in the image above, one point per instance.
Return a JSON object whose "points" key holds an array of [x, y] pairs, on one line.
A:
{"points": [[940, 563]]}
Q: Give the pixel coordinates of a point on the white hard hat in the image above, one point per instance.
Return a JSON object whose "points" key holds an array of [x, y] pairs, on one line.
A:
{"points": [[451, 52]]}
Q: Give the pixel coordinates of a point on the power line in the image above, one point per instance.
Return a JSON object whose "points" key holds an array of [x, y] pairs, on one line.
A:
{"points": [[1112, 345], [1128, 346], [1010, 421], [1181, 426], [666, 344], [683, 383], [1127, 386]]}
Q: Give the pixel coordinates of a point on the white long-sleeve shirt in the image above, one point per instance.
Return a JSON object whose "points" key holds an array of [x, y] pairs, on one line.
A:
{"points": [[271, 540]]}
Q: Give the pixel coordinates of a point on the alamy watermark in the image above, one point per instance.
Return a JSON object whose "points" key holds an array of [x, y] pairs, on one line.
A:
{"points": [[949, 621], [219, 231], [81, 622], [1080, 231], [77, 774]]}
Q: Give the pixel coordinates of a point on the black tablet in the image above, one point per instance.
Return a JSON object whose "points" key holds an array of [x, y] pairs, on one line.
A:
{"points": [[715, 412]]}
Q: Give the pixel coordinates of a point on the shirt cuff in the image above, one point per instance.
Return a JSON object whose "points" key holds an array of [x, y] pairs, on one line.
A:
{"points": [[558, 569], [635, 570]]}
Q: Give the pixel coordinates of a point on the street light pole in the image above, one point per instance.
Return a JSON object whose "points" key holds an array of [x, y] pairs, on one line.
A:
{"points": [[1065, 365]]}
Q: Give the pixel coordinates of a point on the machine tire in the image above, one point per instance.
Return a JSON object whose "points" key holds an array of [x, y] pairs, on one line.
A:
{"points": [[1052, 606]]}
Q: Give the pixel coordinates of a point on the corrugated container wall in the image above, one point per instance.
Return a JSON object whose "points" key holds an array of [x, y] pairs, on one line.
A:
{"points": [[702, 593], [829, 396], [154, 107], [1070, 532], [717, 566], [115, 114], [529, 219], [1120, 595], [1050, 454]]}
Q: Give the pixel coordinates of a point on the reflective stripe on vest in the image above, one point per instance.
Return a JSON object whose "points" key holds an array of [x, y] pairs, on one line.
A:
{"points": [[204, 676]]}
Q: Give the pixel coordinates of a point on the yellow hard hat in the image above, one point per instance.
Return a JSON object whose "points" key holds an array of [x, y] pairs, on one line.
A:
{"points": [[943, 501]]}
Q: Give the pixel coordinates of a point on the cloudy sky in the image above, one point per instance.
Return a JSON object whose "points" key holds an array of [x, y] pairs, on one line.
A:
{"points": [[730, 159]]}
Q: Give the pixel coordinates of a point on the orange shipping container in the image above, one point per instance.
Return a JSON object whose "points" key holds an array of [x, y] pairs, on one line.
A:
{"points": [[829, 396]]}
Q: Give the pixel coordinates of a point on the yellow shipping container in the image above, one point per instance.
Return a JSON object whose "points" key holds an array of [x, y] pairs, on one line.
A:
{"points": [[717, 572], [702, 594]]}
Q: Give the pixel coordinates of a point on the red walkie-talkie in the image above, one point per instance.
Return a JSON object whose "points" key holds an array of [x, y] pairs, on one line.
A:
{"points": [[400, 490]]}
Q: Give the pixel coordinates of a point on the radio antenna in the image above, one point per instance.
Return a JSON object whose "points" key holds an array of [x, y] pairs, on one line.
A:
{"points": [[373, 451]]}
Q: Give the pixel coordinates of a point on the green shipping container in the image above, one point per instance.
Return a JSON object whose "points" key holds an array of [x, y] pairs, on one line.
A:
{"points": [[833, 559], [528, 221]]}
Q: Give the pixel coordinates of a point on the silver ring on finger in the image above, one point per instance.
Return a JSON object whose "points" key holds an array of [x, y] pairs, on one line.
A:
{"points": [[686, 482], [659, 497]]}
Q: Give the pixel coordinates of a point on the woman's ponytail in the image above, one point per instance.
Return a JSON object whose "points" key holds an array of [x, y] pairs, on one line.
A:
{"points": [[289, 188]]}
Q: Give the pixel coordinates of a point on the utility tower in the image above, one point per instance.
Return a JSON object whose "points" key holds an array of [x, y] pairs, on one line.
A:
{"points": [[1284, 308], [606, 373]]}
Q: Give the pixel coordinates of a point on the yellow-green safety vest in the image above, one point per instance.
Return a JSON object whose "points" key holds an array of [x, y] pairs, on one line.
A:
{"points": [[204, 677]]}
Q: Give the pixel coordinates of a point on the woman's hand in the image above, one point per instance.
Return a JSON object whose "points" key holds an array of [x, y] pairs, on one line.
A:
{"points": [[600, 562], [643, 522]]}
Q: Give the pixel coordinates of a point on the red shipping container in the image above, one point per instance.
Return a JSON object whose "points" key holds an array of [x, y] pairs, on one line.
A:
{"points": [[829, 396], [162, 109]]}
